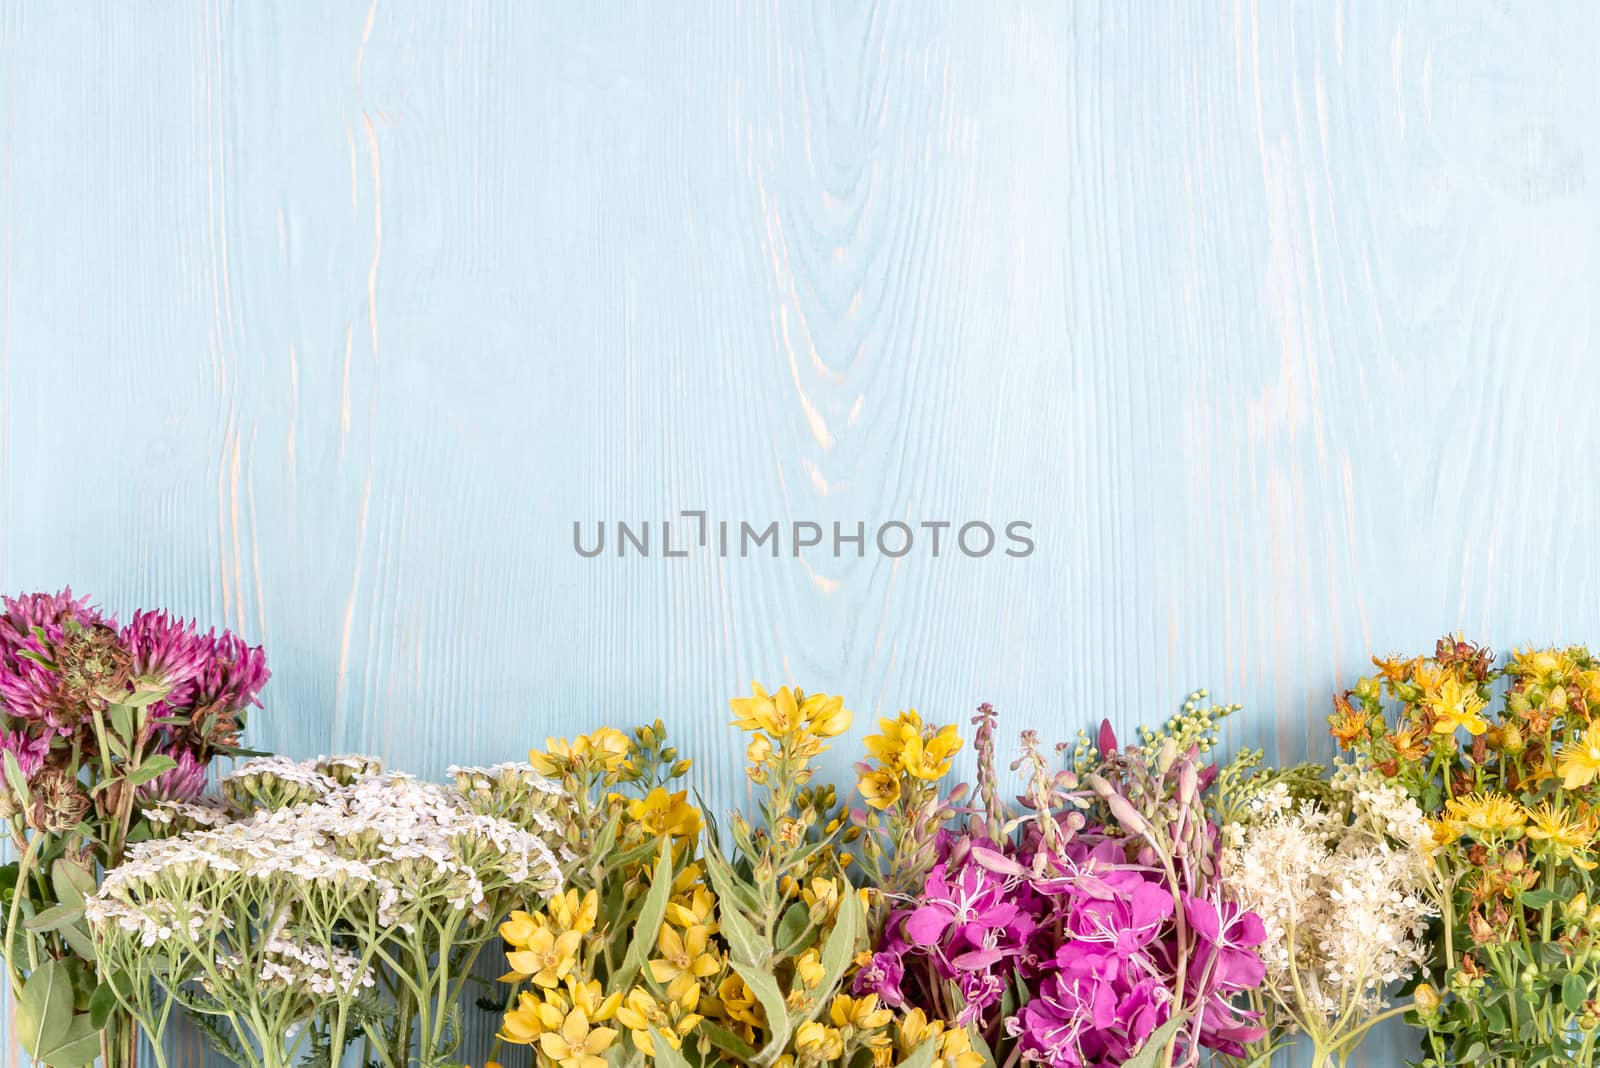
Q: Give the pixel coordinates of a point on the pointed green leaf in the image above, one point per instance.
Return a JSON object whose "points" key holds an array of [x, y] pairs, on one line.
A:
{"points": [[922, 1056], [666, 1056], [102, 1003], [1155, 1046], [16, 780], [54, 918], [765, 988], [740, 933], [153, 766], [648, 927], [141, 698], [741, 1051], [72, 882], [1574, 991]]}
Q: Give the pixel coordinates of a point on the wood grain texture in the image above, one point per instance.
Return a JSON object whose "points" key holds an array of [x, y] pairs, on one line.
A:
{"points": [[325, 321]]}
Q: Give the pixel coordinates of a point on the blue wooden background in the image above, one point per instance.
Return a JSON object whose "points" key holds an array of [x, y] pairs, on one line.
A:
{"points": [[325, 322]]}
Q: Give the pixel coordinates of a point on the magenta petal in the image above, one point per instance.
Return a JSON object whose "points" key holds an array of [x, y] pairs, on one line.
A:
{"points": [[978, 958], [1202, 916], [927, 924]]}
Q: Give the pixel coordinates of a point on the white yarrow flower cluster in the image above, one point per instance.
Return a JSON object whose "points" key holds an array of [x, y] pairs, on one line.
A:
{"points": [[1343, 896], [307, 879]]}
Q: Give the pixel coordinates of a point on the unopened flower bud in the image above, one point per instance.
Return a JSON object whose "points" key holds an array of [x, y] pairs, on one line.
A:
{"points": [[1577, 908], [1511, 740], [1557, 701], [1367, 688], [1426, 999]]}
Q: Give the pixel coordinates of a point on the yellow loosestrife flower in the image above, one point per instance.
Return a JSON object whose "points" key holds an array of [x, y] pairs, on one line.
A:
{"points": [[662, 813], [577, 1044], [880, 788]]}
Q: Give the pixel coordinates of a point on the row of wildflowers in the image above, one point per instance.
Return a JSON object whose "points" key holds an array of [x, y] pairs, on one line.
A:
{"points": [[1087, 903]]}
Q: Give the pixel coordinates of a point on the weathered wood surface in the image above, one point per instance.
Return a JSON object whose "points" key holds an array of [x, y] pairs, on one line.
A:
{"points": [[326, 321]]}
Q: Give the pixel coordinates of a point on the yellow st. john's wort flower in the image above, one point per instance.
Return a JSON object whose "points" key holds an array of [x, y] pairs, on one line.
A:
{"points": [[1349, 723], [1554, 828], [1543, 667], [662, 813], [1579, 761], [1486, 813], [1409, 743], [1455, 704]]}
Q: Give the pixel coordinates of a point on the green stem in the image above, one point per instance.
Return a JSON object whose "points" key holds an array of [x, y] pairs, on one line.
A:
{"points": [[23, 869]]}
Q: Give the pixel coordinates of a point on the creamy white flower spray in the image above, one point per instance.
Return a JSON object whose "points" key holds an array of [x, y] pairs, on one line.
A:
{"points": [[1341, 883]]}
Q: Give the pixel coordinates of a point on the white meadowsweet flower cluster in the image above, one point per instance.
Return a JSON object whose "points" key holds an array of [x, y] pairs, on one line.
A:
{"points": [[1342, 894]]}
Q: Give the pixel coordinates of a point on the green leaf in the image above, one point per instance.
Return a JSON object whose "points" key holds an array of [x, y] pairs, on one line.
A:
{"points": [[1155, 1046], [741, 1051], [54, 918], [141, 698], [1574, 991], [121, 728], [922, 1056], [46, 1028], [765, 988], [152, 767], [666, 1056], [1537, 899], [16, 780], [102, 1003], [839, 950], [80, 1047], [77, 936], [72, 882], [746, 945], [648, 927], [792, 927]]}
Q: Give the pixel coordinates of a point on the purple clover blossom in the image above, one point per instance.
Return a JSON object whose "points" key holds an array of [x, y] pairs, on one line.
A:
{"points": [[49, 612], [29, 751], [165, 650], [186, 782], [233, 675]]}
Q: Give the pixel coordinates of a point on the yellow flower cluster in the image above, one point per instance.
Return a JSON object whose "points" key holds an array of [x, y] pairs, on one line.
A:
{"points": [[905, 749], [789, 728], [619, 964]]}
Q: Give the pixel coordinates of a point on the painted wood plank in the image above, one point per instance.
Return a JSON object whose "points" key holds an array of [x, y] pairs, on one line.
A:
{"points": [[326, 321]]}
